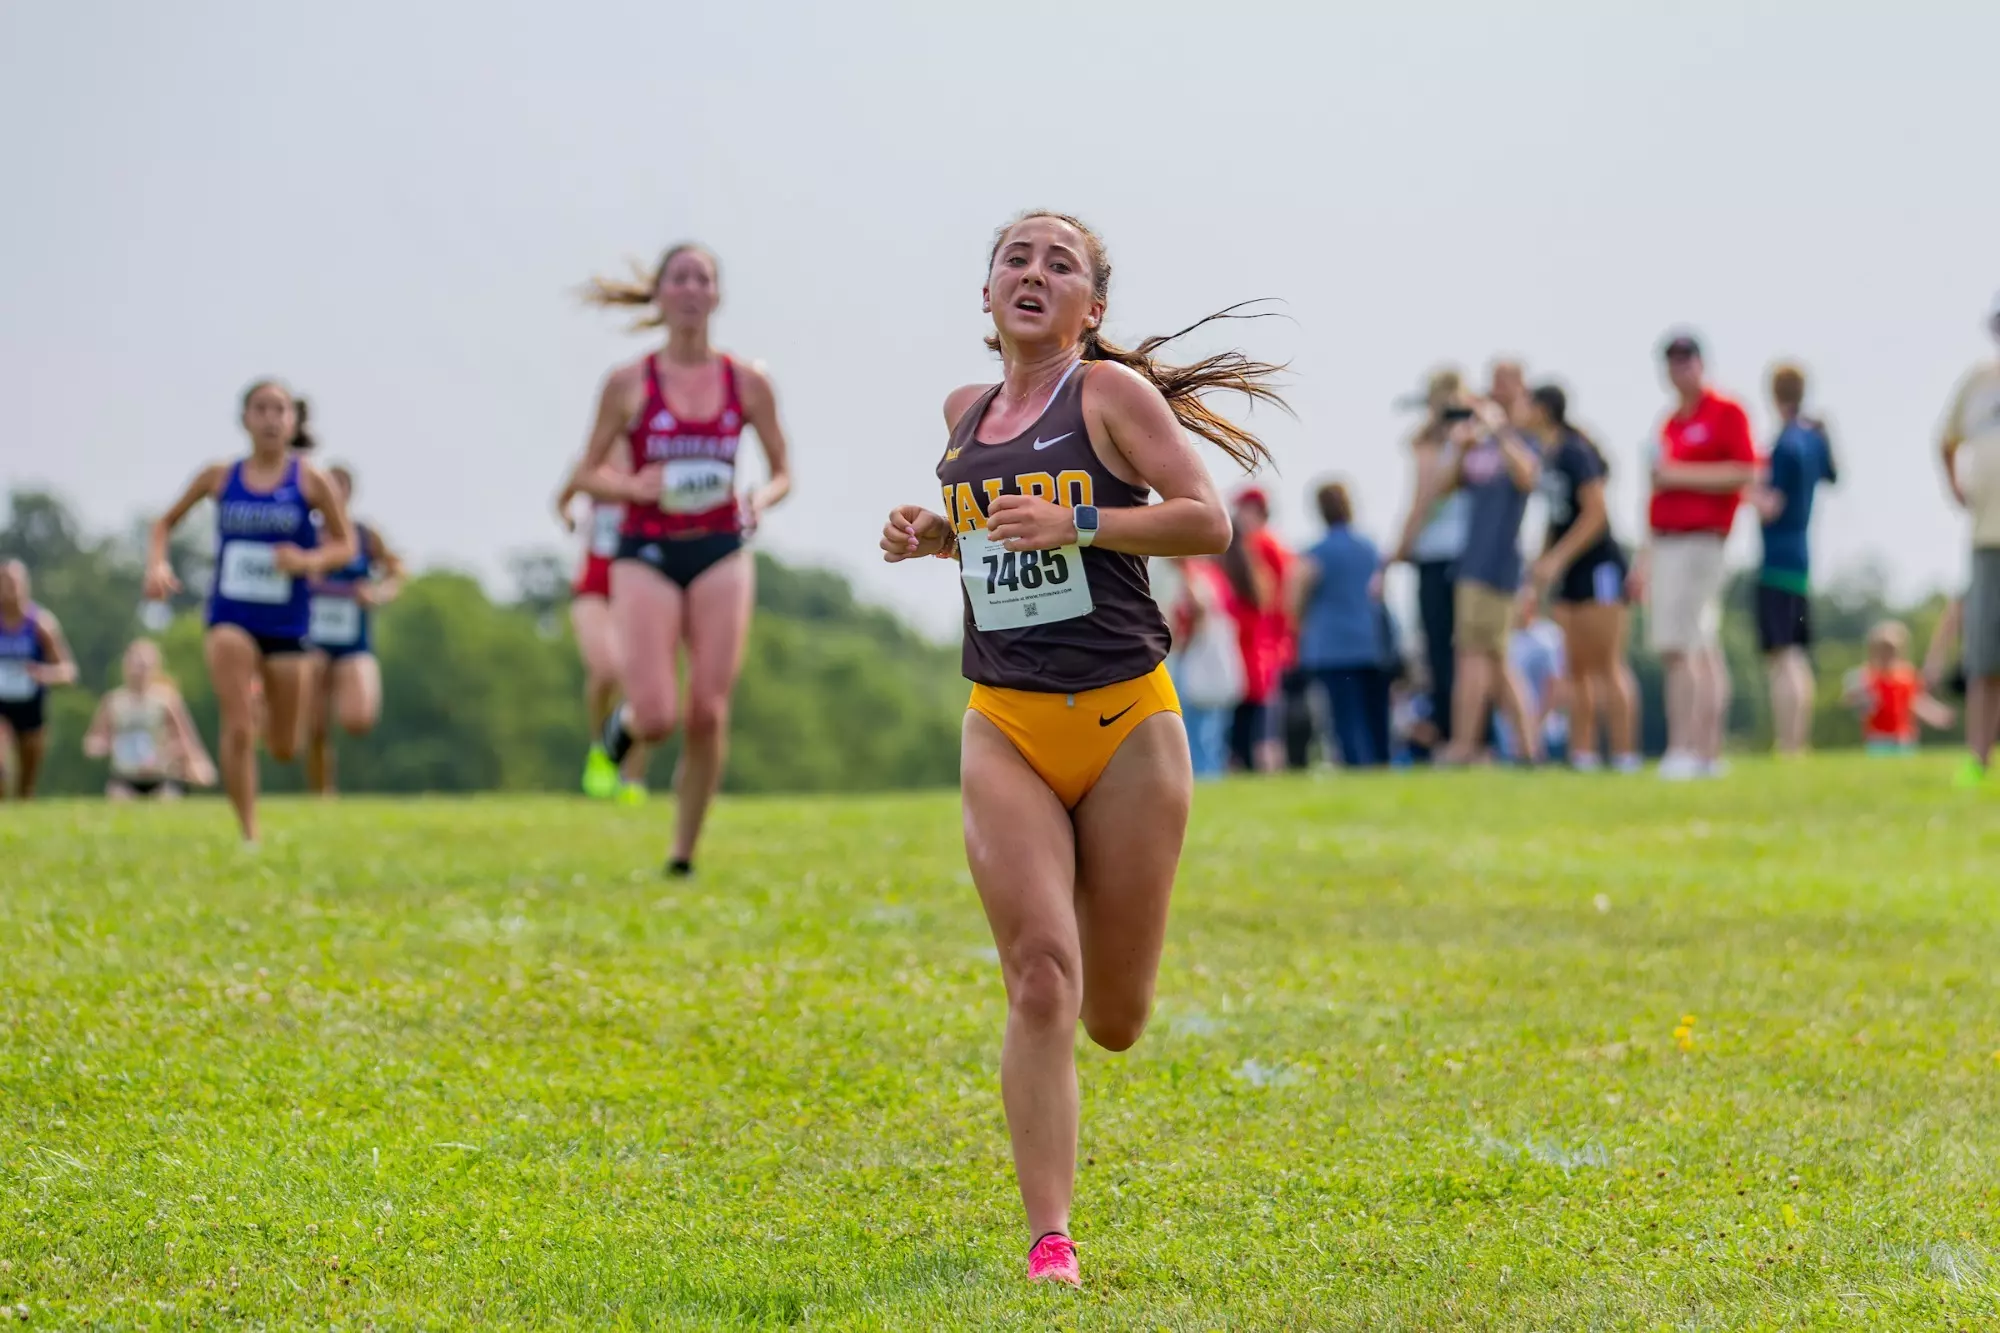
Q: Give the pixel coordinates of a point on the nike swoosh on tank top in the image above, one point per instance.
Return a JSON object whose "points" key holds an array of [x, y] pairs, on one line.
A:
{"points": [[1124, 636]]}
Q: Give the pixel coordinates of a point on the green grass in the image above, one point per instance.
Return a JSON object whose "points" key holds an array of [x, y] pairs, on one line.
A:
{"points": [[438, 1063]]}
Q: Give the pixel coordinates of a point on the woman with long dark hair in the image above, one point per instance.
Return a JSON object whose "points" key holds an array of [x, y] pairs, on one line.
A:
{"points": [[269, 548], [1075, 773], [1581, 575]]}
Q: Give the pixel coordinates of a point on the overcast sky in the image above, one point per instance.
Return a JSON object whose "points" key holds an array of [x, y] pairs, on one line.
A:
{"points": [[390, 205]]}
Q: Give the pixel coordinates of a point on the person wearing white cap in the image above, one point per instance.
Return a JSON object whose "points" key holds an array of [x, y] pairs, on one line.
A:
{"points": [[1969, 445]]}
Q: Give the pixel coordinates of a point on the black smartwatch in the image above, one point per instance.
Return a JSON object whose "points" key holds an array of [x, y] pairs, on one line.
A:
{"points": [[1086, 524]]}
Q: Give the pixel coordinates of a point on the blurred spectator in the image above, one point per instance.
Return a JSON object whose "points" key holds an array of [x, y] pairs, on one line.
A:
{"points": [[1258, 565], [1540, 659], [1336, 599], [1972, 431], [1580, 578], [1440, 537], [144, 729], [1496, 468], [1206, 664], [1891, 696], [1800, 459], [1703, 462], [1413, 732]]}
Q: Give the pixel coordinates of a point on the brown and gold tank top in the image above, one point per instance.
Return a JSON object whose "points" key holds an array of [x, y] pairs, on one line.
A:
{"points": [[1062, 621]]}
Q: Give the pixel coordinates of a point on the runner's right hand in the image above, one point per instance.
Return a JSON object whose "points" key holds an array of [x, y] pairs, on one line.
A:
{"points": [[160, 582], [912, 531], [645, 484]]}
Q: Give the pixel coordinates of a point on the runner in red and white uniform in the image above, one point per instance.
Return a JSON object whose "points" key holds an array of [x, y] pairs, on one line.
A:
{"points": [[597, 644], [680, 576]]}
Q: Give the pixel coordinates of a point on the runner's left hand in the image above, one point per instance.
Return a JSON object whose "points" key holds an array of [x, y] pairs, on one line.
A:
{"points": [[290, 559], [1024, 523]]}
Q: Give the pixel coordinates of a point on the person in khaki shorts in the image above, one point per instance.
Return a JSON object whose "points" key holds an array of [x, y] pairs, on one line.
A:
{"points": [[1970, 448], [1492, 462], [1704, 463]]}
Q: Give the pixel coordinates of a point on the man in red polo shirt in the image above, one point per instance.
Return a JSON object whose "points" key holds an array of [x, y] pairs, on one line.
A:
{"points": [[1704, 462]]}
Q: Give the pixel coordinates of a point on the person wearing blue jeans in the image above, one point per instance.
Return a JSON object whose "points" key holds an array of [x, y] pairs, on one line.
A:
{"points": [[1336, 599]]}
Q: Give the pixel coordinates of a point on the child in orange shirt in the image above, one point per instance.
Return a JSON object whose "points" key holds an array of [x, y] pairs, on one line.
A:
{"points": [[1891, 696]]}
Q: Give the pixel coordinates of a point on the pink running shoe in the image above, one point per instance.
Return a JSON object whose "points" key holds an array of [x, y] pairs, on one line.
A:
{"points": [[1054, 1260]]}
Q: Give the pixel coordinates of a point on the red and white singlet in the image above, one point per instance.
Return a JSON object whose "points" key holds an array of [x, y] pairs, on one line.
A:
{"points": [[594, 579], [698, 490]]}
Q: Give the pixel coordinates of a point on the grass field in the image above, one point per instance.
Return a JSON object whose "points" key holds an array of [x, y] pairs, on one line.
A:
{"points": [[1488, 1051]]}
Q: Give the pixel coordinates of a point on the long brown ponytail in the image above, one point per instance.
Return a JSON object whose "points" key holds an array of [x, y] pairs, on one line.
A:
{"points": [[1182, 386], [643, 288]]}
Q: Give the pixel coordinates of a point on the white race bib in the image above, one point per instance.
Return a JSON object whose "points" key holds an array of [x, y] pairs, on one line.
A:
{"points": [[695, 485], [16, 684], [134, 752], [1009, 589], [605, 520], [250, 573], [336, 621]]}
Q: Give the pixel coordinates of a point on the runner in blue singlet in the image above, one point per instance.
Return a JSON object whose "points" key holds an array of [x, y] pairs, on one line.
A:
{"points": [[344, 681], [33, 656], [259, 608]]}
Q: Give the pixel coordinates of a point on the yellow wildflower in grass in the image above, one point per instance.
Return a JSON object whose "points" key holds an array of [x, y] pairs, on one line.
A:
{"points": [[1684, 1034]]}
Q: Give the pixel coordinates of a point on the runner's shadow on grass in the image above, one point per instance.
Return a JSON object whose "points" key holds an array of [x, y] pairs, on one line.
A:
{"points": [[754, 1300]]}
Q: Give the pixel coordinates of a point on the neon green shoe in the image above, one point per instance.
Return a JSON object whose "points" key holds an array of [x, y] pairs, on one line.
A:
{"points": [[1971, 773], [632, 793], [600, 775]]}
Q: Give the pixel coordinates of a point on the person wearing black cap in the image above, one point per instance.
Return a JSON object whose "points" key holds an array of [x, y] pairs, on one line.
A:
{"points": [[1703, 463], [1969, 446]]}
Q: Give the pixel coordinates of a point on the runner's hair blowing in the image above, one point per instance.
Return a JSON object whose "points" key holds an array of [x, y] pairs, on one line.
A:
{"points": [[643, 288], [1182, 386]]}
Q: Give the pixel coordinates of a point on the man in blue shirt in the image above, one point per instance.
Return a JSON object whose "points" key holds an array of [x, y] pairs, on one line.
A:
{"points": [[1800, 459], [1336, 598]]}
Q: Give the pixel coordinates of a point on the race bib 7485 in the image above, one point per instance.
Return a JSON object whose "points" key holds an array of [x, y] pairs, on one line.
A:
{"points": [[1010, 589]]}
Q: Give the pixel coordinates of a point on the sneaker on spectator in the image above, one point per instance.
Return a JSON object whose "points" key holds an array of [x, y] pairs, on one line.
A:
{"points": [[1586, 763], [1679, 766], [1628, 763]]}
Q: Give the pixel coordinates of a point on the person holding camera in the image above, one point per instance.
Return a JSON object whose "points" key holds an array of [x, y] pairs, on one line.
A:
{"points": [[1491, 463], [1440, 539]]}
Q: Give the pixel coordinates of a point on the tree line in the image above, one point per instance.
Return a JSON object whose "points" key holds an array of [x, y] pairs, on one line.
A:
{"points": [[836, 695]]}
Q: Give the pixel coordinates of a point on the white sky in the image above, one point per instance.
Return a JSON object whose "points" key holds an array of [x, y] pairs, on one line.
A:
{"points": [[389, 204]]}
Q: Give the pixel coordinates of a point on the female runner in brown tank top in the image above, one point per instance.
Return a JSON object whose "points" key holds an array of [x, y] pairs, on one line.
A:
{"points": [[1075, 767]]}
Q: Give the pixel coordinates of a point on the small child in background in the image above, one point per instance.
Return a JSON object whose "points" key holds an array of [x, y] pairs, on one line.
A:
{"points": [[1891, 696]]}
